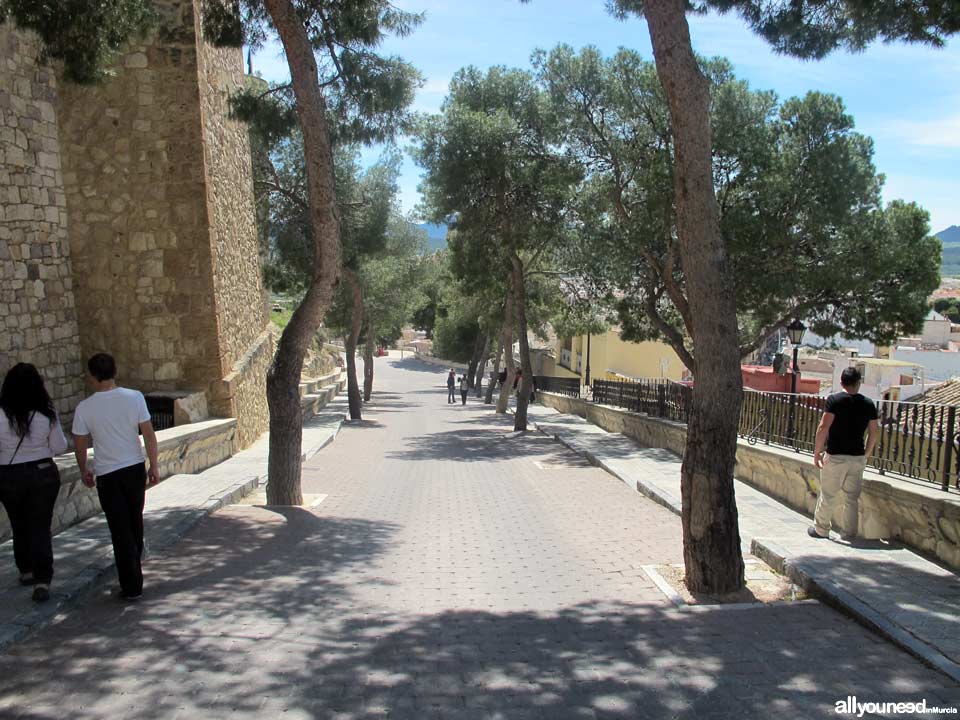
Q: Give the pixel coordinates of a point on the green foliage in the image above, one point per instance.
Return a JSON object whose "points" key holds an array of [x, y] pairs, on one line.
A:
{"points": [[433, 277], [367, 94], [491, 159], [496, 172], [456, 330], [799, 200], [389, 275], [86, 35], [814, 28], [948, 307]]}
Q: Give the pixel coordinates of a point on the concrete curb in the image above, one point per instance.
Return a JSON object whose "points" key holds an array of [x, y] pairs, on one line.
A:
{"points": [[801, 574], [73, 589], [655, 494], [838, 598], [70, 591]]}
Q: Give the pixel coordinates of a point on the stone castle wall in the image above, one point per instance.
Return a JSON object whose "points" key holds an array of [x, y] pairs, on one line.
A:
{"points": [[243, 394], [160, 266], [38, 320], [245, 347], [136, 193]]}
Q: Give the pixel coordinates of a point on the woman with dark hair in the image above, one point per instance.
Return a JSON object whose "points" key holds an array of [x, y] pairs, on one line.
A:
{"points": [[30, 435]]}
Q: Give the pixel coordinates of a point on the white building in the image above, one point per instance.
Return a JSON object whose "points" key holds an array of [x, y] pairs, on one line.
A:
{"points": [[936, 330]]}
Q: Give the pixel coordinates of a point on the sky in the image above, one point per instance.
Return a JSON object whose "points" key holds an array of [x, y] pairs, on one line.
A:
{"points": [[906, 97]]}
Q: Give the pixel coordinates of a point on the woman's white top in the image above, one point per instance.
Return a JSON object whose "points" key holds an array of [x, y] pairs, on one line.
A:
{"points": [[44, 440], [464, 385]]}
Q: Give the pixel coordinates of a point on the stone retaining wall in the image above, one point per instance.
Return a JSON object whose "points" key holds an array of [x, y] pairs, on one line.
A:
{"points": [[182, 450], [440, 362], [38, 319], [916, 513], [243, 393]]}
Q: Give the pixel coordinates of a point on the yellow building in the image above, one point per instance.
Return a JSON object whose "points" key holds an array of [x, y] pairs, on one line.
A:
{"points": [[611, 358]]}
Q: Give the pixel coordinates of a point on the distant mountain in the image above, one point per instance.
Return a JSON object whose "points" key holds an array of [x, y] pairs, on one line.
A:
{"points": [[436, 235], [950, 235]]}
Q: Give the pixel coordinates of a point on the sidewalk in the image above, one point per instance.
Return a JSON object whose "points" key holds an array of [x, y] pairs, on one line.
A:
{"points": [[908, 599], [83, 554]]}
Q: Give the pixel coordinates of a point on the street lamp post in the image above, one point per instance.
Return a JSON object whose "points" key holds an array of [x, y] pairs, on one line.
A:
{"points": [[795, 332], [587, 379]]}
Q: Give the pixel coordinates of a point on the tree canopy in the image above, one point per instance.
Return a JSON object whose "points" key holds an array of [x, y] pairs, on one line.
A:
{"points": [[86, 35], [494, 166], [798, 195]]}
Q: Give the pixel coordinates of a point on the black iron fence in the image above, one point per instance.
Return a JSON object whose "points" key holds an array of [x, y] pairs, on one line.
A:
{"points": [[916, 440], [919, 441], [660, 398], [161, 411], [560, 385]]}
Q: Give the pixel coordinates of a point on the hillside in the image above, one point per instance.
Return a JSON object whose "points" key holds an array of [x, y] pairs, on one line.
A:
{"points": [[950, 263], [950, 235]]}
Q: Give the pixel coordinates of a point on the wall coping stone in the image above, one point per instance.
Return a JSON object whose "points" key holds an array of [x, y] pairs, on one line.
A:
{"points": [[912, 498], [440, 362], [889, 484]]}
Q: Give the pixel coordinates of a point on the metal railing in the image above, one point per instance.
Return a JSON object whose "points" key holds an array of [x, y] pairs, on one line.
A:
{"points": [[161, 412], [919, 441], [659, 398], [560, 385]]}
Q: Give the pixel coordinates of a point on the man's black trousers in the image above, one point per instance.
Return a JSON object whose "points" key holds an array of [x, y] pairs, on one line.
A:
{"points": [[121, 496]]}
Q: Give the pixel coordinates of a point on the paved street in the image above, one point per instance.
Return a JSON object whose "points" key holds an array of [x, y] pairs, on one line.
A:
{"points": [[452, 570]]}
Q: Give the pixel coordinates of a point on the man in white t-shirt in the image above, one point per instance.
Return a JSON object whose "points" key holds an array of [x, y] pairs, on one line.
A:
{"points": [[113, 419]]}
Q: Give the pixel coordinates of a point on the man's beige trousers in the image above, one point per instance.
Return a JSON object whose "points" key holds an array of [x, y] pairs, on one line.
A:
{"points": [[841, 475]]}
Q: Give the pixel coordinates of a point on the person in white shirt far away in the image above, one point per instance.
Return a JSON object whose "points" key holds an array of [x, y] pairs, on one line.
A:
{"points": [[112, 419], [30, 435]]}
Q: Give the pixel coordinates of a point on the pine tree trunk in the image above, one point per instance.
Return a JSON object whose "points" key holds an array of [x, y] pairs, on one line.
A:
{"points": [[488, 400], [350, 343], [481, 365], [506, 340], [520, 312], [478, 345], [283, 377], [711, 537], [368, 367]]}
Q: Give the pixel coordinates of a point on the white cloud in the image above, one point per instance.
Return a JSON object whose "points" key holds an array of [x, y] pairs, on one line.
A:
{"points": [[941, 132]]}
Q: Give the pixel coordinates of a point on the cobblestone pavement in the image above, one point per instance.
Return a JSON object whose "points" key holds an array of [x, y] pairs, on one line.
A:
{"points": [[453, 570]]}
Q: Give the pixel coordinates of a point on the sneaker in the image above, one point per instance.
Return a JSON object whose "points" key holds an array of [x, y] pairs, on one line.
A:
{"points": [[41, 593], [848, 538], [128, 597], [27, 579], [812, 532]]}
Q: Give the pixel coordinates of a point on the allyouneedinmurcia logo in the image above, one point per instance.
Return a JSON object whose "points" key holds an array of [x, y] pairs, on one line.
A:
{"points": [[851, 706]]}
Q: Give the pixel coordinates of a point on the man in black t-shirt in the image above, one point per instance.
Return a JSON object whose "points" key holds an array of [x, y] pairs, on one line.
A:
{"points": [[847, 416]]}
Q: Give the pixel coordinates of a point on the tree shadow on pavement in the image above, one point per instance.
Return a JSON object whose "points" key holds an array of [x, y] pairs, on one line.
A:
{"points": [[418, 366], [266, 613], [603, 660], [251, 572], [484, 444]]}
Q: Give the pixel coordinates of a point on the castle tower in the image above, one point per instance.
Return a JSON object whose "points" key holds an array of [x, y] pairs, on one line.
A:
{"points": [[162, 254]]}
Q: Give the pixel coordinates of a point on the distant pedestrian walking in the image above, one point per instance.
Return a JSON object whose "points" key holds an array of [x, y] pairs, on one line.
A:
{"points": [[111, 418], [841, 455], [30, 435], [464, 389], [451, 387]]}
